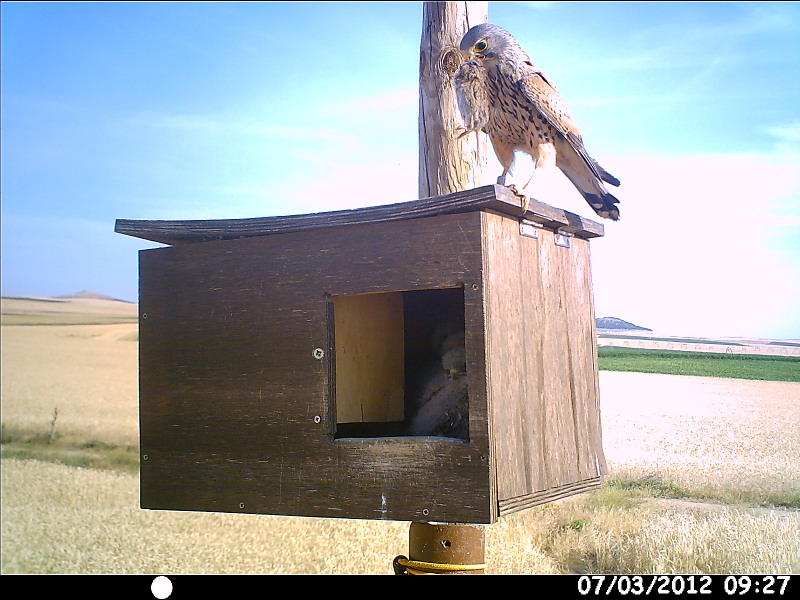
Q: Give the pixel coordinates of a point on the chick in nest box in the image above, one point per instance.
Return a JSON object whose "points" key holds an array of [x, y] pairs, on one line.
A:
{"points": [[443, 404]]}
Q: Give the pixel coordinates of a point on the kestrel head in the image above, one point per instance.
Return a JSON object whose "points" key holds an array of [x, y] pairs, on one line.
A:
{"points": [[487, 41]]}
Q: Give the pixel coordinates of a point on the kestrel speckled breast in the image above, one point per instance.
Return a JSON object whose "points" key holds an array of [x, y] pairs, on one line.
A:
{"points": [[502, 93]]}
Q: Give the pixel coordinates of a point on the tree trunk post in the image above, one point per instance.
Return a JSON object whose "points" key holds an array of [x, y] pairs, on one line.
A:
{"points": [[446, 163]]}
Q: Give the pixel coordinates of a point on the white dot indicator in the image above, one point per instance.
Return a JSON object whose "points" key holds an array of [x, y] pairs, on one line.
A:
{"points": [[161, 587]]}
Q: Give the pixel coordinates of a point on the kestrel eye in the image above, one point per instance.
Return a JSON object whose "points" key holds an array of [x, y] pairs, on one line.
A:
{"points": [[481, 46]]}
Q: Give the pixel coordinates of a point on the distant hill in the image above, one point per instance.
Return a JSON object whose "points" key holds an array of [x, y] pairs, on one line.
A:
{"points": [[89, 295], [78, 309], [618, 324]]}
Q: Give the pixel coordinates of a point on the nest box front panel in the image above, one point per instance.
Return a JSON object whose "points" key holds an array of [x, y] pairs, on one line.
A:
{"points": [[275, 373]]}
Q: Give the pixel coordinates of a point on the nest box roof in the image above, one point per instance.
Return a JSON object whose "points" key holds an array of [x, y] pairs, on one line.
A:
{"points": [[491, 197]]}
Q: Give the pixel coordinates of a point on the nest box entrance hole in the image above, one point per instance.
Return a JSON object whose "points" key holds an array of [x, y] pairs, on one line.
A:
{"points": [[399, 364]]}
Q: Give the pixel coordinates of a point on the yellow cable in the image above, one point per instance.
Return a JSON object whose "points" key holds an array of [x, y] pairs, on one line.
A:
{"points": [[418, 567]]}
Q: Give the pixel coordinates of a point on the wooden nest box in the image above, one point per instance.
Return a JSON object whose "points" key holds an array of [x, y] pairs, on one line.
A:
{"points": [[434, 360]]}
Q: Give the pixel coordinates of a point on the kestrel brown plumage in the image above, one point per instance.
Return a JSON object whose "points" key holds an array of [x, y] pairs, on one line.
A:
{"points": [[502, 93]]}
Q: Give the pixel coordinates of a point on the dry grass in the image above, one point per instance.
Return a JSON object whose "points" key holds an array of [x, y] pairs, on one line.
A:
{"points": [[580, 536], [58, 519], [726, 437], [730, 440], [88, 372]]}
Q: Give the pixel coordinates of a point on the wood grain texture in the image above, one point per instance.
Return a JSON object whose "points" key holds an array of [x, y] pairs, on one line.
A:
{"points": [[541, 365], [511, 505], [236, 412], [370, 357], [492, 197], [447, 162]]}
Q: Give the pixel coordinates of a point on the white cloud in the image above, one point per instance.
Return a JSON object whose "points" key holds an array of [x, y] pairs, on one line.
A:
{"points": [[180, 122], [233, 127], [392, 100], [788, 137], [705, 246], [354, 185], [539, 5]]}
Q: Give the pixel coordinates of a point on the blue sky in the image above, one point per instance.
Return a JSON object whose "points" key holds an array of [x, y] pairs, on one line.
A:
{"points": [[229, 110]]}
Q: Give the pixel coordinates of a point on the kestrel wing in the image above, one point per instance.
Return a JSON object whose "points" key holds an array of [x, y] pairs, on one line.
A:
{"points": [[548, 102]]}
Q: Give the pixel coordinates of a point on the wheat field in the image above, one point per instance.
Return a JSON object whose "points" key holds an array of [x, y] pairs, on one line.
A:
{"points": [[728, 440], [58, 519]]}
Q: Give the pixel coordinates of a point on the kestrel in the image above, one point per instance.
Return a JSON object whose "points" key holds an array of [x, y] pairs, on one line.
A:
{"points": [[442, 403], [502, 93]]}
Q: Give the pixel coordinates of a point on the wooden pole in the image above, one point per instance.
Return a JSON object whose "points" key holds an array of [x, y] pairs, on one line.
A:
{"points": [[446, 164]]}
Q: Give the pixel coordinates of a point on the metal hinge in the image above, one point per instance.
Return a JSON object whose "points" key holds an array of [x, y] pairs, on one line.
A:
{"points": [[529, 229], [562, 238]]}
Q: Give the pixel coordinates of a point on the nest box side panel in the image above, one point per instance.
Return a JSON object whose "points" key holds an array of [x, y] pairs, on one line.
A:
{"points": [[541, 365], [237, 394]]}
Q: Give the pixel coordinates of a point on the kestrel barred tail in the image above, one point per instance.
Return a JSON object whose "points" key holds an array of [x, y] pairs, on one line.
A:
{"points": [[502, 93]]}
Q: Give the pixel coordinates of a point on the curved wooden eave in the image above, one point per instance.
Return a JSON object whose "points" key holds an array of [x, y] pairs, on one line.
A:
{"points": [[491, 197]]}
